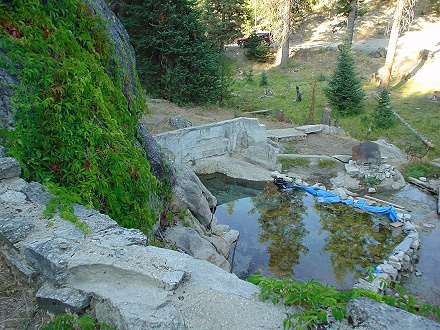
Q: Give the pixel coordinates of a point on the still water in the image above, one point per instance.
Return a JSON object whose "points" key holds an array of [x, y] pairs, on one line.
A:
{"points": [[291, 235]]}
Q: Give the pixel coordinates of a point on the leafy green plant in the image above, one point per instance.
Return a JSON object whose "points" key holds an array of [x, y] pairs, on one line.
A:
{"points": [[257, 49], [73, 322], [370, 182], [248, 75], [175, 58], [74, 127], [316, 300]]}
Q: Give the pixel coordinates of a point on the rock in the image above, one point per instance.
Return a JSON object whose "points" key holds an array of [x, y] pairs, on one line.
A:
{"points": [[47, 258], [310, 128], [372, 315], [6, 91], [352, 169], [190, 242], [179, 123], [13, 228], [59, 300], [366, 153], [326, 117], [342, 158], [191, 192], [9, 168]]}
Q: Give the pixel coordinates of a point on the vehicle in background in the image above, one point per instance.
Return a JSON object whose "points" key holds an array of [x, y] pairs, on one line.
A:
{"points": [[262, 36]]}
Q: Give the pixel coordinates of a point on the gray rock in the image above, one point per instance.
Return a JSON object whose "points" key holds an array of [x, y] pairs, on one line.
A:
{"points": [[9, 168], [310, 128], [36, 192], [373, 315], [189, 241], [13, 228], [49, 259], [190, 190], [119, 237], [59, 300], [151, 310], [179, 123], [7, 84], [352, 169]]}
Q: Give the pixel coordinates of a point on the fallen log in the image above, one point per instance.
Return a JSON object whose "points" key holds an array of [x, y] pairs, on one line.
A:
{"points": [[424, 139], [423, 185], [258, 112], [385, 202]]}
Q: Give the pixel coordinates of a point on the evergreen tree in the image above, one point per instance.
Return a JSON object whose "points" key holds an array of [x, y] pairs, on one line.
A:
{"points": [[175, 59], [384, 116], [263, 79], [257, 49], [344, 90], [224, 19]]}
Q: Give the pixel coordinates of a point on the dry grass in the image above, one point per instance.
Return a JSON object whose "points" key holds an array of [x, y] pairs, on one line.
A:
{"points": [[18, 308]]}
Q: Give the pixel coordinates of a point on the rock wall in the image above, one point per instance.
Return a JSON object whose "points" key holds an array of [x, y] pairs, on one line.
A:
{"points": [[243, 138]]}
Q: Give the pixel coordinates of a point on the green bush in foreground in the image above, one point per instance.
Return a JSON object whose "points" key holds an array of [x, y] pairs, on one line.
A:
{"points": [[316, 299]]}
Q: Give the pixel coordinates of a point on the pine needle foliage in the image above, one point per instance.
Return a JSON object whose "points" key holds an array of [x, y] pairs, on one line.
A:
{"points": [[344, 90], [257, 49], [175, 59], [74, 128], [384, 116]]}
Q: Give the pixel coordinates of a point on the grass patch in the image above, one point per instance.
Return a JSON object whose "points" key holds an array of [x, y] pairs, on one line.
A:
{"points": [[370, 182], [309, 67], [290, 149], [292, 162], [418, 169], [326, 163]]}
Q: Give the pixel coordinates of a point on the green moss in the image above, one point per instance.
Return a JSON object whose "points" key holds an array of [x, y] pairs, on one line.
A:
{"points": [[74, 129]]}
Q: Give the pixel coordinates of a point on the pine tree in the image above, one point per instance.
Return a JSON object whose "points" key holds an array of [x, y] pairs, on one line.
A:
{"points": [[263, 79], [224, 19], [384, 116], [344, 91], [175, 59], [257, 49]]}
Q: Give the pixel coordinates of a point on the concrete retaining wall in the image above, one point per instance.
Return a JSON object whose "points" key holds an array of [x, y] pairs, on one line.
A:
{"points": [[190, 144]]}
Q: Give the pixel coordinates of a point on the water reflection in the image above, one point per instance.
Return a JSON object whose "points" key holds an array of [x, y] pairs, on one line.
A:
{"points": [[356, 240], [282, 223], [290, 234]]}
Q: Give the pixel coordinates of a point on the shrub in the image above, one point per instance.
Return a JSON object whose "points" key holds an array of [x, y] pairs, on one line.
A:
{"points": [[344, 90], [263, 79], [384, 116], [257, 49]]}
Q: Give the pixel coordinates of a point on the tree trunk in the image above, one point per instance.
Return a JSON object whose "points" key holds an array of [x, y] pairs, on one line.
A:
{"points": [[385, 71], [351, 20], [286, 33]]}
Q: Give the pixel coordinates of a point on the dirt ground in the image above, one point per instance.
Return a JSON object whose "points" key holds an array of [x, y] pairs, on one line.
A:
{"points": [[162, 110]]}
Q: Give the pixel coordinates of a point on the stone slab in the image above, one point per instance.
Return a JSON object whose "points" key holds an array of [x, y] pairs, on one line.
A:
{"points": [[286, 134]]}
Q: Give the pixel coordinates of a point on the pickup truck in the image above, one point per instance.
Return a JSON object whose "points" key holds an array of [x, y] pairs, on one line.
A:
{"points": [[262, 36]]}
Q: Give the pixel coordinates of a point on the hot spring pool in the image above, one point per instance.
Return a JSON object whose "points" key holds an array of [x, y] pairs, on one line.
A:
{"points": [[292, 235]]}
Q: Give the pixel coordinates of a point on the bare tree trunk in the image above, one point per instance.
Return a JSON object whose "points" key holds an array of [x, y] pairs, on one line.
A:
{"points": [[351, 20], [385, 71], [286, 33]]}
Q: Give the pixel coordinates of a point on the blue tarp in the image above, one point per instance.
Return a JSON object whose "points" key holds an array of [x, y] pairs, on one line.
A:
{"points": [[328, 197]]}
